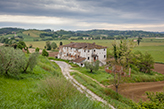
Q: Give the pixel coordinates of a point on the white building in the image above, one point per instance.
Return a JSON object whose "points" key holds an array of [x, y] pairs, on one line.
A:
{"points": [[81, 52]]}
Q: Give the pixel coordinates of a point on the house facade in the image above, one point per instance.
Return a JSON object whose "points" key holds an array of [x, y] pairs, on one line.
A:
{"points": [[81, 52]]}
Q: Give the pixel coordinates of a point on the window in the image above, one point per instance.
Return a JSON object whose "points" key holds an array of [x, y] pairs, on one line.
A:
{"points": [[84, 50], [94, 50], [88, 50], [104, 49], [81, 64], [88, 58], [104, 56], [67, 54]]}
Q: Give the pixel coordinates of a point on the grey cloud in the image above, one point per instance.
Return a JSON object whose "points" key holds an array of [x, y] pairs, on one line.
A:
{"points": [[107, 11]]}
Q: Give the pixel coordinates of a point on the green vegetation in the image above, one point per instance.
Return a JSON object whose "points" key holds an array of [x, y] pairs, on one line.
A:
{"points": [[11, 61], [37, 89], [37, 49], [48, 45], [45, 53], [156, 101], [53, 45], [92, 66], [107, 94]]}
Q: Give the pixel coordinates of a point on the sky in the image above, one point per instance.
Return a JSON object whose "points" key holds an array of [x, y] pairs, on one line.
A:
{"points": [[146, 15]]}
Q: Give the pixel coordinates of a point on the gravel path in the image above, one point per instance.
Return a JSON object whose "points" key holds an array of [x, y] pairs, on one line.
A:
{"points": [[65, 70]]}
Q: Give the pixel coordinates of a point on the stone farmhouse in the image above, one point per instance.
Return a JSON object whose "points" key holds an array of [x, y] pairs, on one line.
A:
{"points": [[81, 52]]}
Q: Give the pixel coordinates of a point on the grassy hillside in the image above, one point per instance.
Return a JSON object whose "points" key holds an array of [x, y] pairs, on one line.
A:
{"points": [[42, 88], [33, 33]]}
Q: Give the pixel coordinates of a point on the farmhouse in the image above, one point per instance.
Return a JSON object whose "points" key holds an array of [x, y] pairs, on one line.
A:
{"points": [[81, 52]]}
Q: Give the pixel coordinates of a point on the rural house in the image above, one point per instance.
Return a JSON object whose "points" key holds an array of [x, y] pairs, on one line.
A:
{"points": [[81, 52]]}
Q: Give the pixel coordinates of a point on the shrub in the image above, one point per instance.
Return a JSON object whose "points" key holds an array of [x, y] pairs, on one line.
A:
{"points": [[37, 49], [45, 53]]}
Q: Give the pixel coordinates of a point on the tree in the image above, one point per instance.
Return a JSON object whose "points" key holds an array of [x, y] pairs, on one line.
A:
{"points": [[144, 62], [53, 45], [21, 44], [37, 49], [117, 70], [48, 45], [45, 53], [61, 43], [92, 66], [30, 62], [139, 40], [11, 60]]}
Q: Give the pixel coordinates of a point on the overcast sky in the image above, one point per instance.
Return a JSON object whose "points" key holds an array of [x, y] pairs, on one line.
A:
{"points": [[145, 15]]}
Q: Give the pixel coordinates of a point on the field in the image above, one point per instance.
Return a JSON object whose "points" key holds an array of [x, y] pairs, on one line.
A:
{"points": [[154, 47], [136, 91]]}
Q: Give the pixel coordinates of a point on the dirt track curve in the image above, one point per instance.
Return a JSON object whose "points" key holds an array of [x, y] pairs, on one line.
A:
{"points": [[65, 70]]}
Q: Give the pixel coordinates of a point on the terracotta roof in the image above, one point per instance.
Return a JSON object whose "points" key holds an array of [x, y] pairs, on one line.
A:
{"points": [[84, 45], [79, 59]]}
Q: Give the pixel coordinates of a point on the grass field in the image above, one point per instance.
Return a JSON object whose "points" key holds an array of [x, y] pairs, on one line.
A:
{"points": [[154, 47], [33, 33]]}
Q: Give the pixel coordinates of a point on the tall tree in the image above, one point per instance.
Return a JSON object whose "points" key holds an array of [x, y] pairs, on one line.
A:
{"points": [[61, 43], [30, 62], [48, 45], [53, 45]]}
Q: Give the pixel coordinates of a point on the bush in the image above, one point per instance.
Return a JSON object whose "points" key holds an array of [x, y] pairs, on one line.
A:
{"points": [[37, 49], [45, 53]]}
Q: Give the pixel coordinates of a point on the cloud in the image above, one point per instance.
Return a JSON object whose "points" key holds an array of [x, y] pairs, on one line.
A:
{"points": [[117, 12], [56, 23]]}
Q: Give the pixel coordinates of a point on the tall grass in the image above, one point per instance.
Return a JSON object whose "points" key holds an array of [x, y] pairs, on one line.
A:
{"points": [[63, 95]]}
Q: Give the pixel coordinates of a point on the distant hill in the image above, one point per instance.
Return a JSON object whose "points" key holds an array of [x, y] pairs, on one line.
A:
{"points": [[33, 33], [48, 34], [10, 30], [130, 33]]}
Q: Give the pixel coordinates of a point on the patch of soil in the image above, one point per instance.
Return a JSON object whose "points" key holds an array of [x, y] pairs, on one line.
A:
{"points": [[53, 54], [159, 68], [136, 91]]}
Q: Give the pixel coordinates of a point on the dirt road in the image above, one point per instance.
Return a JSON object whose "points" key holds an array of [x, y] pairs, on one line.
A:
{"points": [[65, 70], [136, 91]]}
